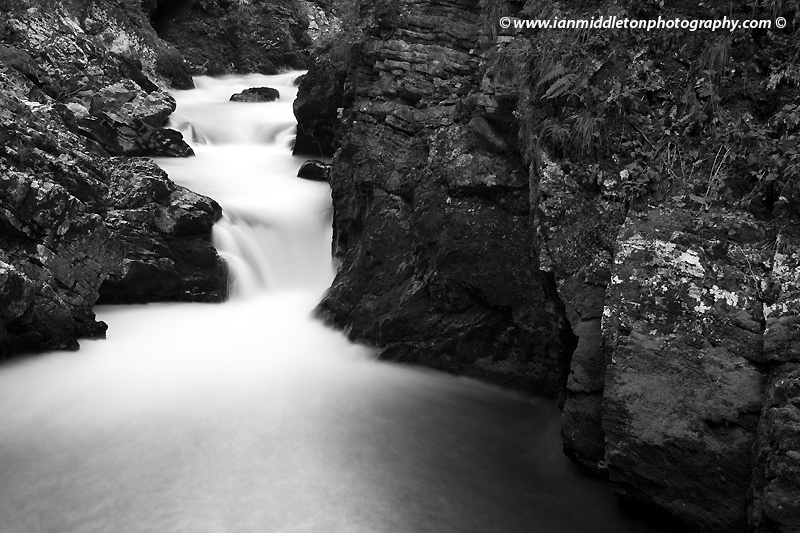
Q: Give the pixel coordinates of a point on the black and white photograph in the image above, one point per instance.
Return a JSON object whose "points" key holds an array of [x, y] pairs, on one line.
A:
{"points": [[399, 266]]}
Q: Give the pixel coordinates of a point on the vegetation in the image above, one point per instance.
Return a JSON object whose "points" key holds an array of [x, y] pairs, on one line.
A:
{"points": [[698, 118]]}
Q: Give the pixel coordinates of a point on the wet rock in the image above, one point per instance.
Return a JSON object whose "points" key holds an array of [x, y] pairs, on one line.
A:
{"points": [[128, 99], [71, 217], [314, 170], [432, 220], [320, 99], [683, 392], [133, 137], [165, 230], [257, 94], [219, 36]]}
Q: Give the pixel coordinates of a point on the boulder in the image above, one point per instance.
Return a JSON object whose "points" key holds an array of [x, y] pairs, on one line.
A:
{"points": [[256, 94], [315, 170], [683, 339]]}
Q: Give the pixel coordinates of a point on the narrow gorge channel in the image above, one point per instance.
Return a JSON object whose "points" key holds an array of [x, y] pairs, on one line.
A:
{"points": [[250, 416]]}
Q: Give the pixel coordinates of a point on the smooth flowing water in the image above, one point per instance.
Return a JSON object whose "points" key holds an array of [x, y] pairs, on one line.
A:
{"points": [[250, 416]]}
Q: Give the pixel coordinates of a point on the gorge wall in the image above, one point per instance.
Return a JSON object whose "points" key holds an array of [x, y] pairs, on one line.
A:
{"points": [[611, 218]]}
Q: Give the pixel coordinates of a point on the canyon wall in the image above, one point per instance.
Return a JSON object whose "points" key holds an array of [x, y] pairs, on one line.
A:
{"points": [[557, 214], [432, 218]]}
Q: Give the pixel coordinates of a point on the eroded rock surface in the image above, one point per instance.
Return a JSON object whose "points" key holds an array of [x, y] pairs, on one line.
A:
{"points": [[432, 216], [222, 37], [257, 94], [78, 85], [683, 337], [775, 491]]}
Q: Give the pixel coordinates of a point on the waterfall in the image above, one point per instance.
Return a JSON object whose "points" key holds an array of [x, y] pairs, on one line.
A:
{"points": [[251, 417]]}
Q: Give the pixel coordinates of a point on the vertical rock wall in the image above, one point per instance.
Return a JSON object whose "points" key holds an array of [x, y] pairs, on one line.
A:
{"points": [[433, 224], [460, 249]]}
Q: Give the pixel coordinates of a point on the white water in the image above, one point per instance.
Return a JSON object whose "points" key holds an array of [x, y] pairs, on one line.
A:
{"points": [[249, 416]]}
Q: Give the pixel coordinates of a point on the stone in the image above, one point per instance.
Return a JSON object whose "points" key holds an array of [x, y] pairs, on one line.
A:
{"points": [[72, 217], [257, 94], [776, 481], [314, 170], [682, 336], [432, 220], [221, 37]]}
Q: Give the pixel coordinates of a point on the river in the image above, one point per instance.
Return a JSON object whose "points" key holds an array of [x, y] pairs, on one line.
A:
{"points": [[250, 416]]}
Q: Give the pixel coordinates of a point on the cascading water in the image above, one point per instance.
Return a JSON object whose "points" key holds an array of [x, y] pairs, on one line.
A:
{"points": [[249, 416]]}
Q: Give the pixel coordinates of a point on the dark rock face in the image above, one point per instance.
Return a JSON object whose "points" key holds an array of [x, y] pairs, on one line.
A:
{"points": [[775, 489], [670, 334], [580, 256], [165, 231], [320, 100], [257, 94], [683, 340], [314, 170], [112, 36], [220, 36], [432, 216], [73, 218]]}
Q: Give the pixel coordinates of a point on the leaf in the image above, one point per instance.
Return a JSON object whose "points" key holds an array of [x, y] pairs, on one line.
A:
{"points": [[561, 86], [698, 199]]}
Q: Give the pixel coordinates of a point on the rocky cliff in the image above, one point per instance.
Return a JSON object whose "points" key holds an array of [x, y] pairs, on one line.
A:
{"points": [[82, 89], [606, 216], [223, 36], [432, 218]]}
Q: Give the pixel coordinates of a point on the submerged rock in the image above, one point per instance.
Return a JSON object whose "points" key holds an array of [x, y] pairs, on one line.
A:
{"points": [[315, 170], [257, 94]]}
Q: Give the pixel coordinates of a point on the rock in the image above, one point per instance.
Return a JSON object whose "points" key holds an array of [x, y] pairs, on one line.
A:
{"points": [[314, 170], [71, 217], [320, 98], [776, 482], [133, 137], [257, 94], [127, 99], [166, 232], [682, 330], [775, 488], [432, 222], [222, 37], [84, 46]]}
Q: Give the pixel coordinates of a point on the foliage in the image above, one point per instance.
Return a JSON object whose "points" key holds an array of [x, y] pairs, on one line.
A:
{"points": [[690, 117]]}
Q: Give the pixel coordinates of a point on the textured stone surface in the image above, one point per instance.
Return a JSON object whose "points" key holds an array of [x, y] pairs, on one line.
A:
{"points": [[432, 217], [222, 37], [315, 170], [682, 330], [775, 491], [317, 108], [257, 94], [71, 216]]}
